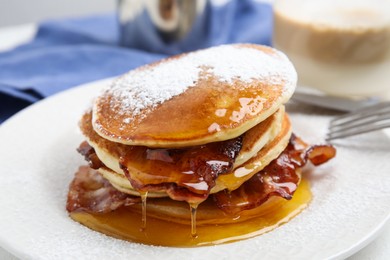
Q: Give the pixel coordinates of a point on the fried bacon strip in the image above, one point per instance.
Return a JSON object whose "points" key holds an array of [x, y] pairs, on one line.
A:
{"points": [[186, 174], [279, 178], [90, 192], [90, 155]]}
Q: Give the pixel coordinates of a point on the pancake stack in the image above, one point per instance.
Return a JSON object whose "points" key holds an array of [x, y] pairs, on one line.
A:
{"points": [[198, 126]]}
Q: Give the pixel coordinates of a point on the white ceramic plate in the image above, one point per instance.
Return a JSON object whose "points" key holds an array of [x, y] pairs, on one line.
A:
{"points": [[38, 159]]}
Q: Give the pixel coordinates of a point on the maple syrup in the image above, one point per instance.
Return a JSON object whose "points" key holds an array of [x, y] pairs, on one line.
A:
{"points": [[193, 209], [125, 223], [144, 196]]}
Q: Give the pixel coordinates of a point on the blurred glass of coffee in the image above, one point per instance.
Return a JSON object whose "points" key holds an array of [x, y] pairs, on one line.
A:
{"points": [[341, 47]]}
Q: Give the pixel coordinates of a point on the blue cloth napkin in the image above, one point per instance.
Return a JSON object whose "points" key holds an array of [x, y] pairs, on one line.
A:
{"points": [[67, 53]]}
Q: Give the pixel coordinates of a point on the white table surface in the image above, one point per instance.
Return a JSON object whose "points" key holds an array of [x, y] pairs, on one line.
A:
{"points": [[378, 249]]}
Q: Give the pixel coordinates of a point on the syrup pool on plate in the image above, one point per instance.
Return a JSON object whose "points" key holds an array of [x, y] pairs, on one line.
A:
{"points": [[127, 223]]}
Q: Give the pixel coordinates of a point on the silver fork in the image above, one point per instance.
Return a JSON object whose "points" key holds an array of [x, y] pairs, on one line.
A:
{"points": [[332, 102], [360, 121]]}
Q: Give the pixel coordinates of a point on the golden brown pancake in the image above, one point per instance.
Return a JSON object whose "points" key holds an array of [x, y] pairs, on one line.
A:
{"points": [[192, 99], [258, 136]]}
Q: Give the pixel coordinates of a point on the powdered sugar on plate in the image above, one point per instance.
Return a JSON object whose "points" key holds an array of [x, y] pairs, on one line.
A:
{"points": [[149, 86]]}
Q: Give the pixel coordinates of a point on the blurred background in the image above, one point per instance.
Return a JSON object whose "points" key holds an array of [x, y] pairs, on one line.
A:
{"points": [[15, 12]]}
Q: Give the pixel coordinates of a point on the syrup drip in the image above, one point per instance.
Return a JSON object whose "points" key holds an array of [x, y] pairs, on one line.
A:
{"points": [[144, 196], [193, 208]]}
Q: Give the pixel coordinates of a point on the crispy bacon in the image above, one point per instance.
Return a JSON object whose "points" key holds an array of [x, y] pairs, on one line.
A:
{"points": [[89, 155], [172, 189], [186, 174], [90, 192], [279, 178], [319, 154]]}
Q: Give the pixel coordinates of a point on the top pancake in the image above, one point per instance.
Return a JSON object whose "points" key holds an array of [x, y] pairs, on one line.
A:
{"points": [[196, 98]]}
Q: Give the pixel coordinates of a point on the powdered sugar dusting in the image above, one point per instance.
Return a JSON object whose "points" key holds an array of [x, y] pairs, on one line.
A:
{"points": [[147, 87]]}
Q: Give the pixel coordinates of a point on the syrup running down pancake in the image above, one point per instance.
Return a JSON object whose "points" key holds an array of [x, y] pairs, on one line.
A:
{"points": [[193, 142]]}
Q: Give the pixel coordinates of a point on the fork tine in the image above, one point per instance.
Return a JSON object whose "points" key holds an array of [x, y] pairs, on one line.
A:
{"points": [[383, 107], [356, 131], [360, 121]]}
